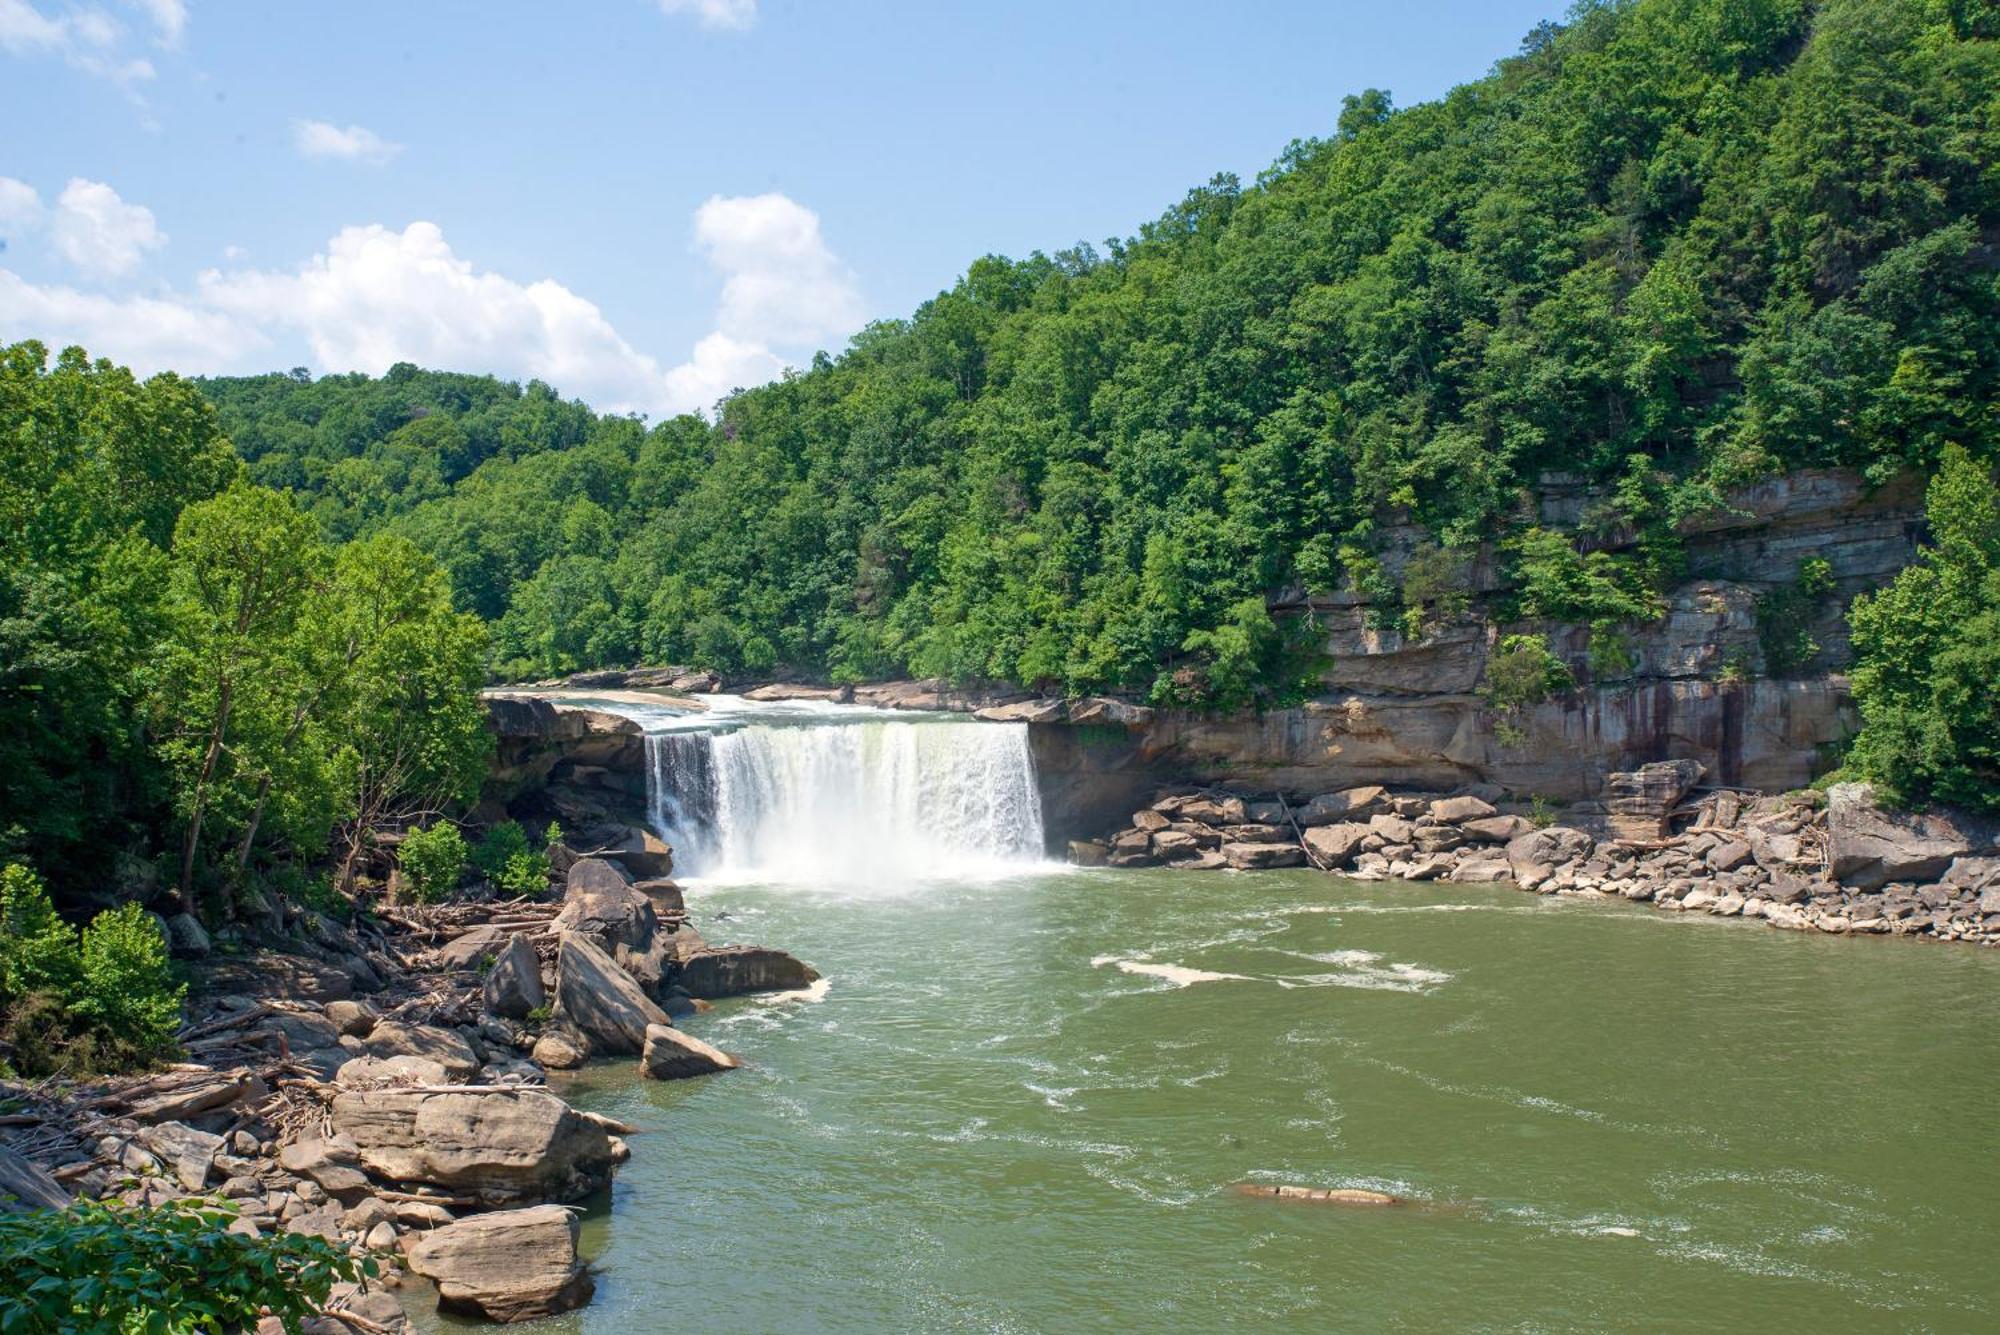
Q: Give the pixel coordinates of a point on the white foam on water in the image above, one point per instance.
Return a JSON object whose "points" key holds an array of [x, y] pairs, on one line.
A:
{"points": [[811, 992], [1178, 975]]}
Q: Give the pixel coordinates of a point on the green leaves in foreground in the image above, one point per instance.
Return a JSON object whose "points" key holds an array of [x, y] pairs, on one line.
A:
{"points": [[101, 1268]]}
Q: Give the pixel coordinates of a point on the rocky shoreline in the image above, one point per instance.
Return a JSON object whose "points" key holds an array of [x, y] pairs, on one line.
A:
{"points": [[1839, 865], [385, 1086]]}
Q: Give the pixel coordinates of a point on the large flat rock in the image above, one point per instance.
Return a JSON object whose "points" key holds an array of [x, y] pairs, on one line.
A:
{"points": [[506, 1146], [512, 1265]]}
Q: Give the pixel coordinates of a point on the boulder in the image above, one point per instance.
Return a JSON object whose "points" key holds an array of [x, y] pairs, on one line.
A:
{"points": [[190, 1153], [1088, 853], [604, 1002], [1258, 832], [24, 1184], [186, 938], [367, 1072], [1497, 829], [673, 1055], [334, 1162], [1728, 855], [301, 1031], [560, 1050], [1335, 845], [664, 894], [600, 900], [641, 853], [352, 1018], [1457, 810], [1260, 857], [1872, 847], [1352, 804], [1534, 856], [504, 1145], [1214, 810], [512, 1265], [467, 949], [446, 1047], [1482, 867], [727, 971], [1641, 801], [513, 986]]}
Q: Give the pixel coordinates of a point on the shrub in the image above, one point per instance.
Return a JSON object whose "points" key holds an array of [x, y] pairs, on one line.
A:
{"points": [[129, 989], [100, 1268], [505, 858], [108, 1001], [1436, 589], [1523, 671], [432, 860]]}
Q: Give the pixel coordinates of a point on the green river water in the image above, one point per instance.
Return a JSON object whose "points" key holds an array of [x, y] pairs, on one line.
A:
{"points": [[1019, 1106]]}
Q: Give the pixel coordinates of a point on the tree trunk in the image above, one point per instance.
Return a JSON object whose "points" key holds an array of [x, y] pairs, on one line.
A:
{"points": [[209, 760]]}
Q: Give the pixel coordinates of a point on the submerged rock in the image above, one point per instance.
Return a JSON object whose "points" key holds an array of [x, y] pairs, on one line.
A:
{"points": [[514, 1265], [1317, 1195]]}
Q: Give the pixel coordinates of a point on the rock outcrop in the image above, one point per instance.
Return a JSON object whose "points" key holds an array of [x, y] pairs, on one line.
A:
{"points": [[512, 1265]]}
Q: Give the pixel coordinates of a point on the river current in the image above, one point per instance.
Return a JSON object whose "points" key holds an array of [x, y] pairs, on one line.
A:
{"points": [[1020, 1099]]}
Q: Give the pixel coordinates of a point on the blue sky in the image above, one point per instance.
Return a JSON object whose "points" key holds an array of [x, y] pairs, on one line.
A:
{"points": [[645, 202]]}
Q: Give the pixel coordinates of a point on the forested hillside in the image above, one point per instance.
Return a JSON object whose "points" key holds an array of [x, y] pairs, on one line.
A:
{"points": [[1670, 245]]}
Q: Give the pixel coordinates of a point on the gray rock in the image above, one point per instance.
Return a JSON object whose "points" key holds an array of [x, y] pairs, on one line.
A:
{"points": [[1261, 857], [1457, 810], [368, 1072], [1352, 804], [505, 1146], [1335, 844], [603, 1001], [332, 1163], [559, 1051], [513, 985], [187, 939], [1729, 855], [728, 971], [396, 1038], [1536, 855], [1496, 829], [671, 1054], [601, 902], [466, 950], [1872, 847], [191, 1153], [513, 1265], [352, 1018]]}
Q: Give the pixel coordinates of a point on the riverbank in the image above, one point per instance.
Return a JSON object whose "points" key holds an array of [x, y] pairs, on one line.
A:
{"points": [[1798, 861], [382, 1083]]}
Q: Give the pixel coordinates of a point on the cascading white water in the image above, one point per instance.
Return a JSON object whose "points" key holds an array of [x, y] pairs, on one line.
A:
{"points": [[844, 797]]}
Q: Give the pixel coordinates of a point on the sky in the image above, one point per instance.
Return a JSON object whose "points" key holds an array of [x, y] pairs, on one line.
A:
{"points": [[645, 203]]}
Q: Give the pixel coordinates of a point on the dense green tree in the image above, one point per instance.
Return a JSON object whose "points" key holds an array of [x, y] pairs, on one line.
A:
{"points": [[1928, 676]]}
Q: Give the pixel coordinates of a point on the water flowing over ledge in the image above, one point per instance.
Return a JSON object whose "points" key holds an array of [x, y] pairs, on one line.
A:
{"points": [[808, 791]]}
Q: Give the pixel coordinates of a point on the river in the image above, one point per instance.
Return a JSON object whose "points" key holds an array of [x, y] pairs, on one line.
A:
{"points": [[1020, 1100]]}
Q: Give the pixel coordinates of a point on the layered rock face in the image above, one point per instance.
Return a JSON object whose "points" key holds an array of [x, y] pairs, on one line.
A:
{"points": [[1410, 713]]}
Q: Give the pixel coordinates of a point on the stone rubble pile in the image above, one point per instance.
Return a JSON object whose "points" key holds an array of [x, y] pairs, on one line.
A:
{"points": [[1842, 865]]}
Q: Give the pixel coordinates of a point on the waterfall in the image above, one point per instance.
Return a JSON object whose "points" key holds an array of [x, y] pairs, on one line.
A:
{"points": [[844, 797]]}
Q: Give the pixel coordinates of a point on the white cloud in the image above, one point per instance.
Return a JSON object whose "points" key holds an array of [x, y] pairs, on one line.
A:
{"points": [[146, 333], [376, 296], [25, 29], [169, 19], [356, 143], [783, 284], [82, 37], [20, 204], [737, 14], [100, 233]]}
